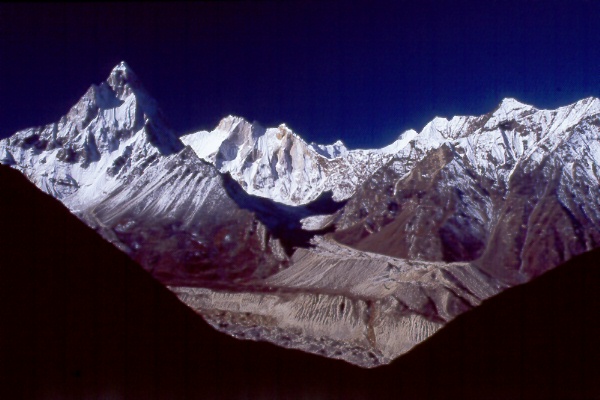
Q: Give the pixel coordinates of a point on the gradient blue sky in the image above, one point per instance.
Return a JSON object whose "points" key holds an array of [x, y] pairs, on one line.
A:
{"points": [[361, 73]]}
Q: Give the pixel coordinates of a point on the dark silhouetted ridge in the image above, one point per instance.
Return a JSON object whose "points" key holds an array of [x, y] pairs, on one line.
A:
{"points": [[78, 319]]}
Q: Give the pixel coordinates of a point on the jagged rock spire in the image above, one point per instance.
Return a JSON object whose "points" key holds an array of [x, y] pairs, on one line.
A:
{"points": [[123, 80]]}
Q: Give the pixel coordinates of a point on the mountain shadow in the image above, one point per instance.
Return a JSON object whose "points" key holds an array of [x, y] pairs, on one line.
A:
{"points": [[79, 319], [282, 220]]}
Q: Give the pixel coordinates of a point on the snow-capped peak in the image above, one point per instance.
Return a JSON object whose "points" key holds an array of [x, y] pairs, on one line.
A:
{"points": [[229, 121], [278, 164], [111, 131], [123, 81], [283, 133], [335, 150], [511, 103], [405, 138], [122, 66]]}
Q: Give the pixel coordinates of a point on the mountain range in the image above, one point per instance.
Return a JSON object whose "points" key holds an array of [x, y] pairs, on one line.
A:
{"points": [[80, 319], [353, 254]]}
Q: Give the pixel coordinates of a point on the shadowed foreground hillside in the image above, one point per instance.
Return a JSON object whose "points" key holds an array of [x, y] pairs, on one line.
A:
{"points": [[78, 319]]}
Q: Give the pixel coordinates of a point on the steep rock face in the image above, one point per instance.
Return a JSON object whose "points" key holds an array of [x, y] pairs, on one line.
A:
{"points": [[515, 191], [277, 164]]}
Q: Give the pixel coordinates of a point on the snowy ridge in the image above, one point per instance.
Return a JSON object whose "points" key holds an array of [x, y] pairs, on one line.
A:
{"points": [[516, 190], [278, 164], [116, 129], [338, 149], [113, 132], [495, 143]]}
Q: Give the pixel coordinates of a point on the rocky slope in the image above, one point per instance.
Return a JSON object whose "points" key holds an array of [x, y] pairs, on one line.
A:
{"points": [[515, 191], [343, 303]]}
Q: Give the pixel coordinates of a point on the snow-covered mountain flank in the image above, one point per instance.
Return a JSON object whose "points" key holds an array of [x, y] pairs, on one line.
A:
{"points": [[278, 164], [115, 163], [515, 191], [352, 254]]}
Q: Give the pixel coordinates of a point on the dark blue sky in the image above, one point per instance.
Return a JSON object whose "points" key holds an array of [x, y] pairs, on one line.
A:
{"points": [[362, 73]]}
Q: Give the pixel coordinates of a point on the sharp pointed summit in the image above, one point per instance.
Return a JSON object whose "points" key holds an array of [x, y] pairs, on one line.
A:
{"points": [[123, 66], [113, 126], [123, 80]]}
